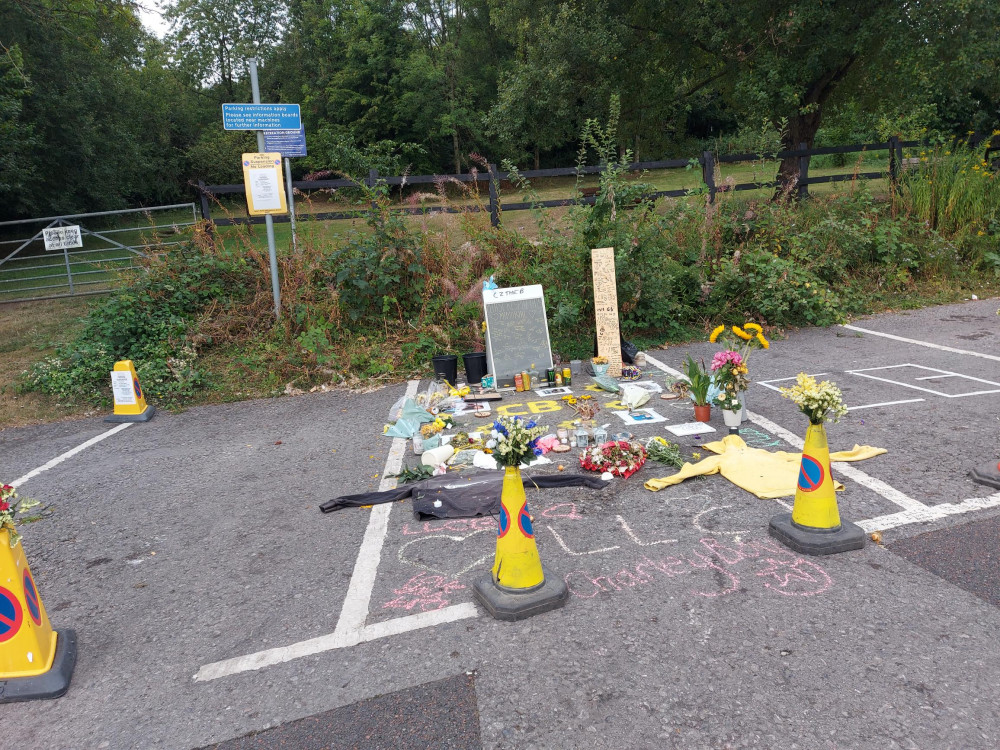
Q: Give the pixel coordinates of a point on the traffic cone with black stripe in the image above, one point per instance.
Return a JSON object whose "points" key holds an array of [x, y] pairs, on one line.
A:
{"points": [[814, 526], [35, 661]]}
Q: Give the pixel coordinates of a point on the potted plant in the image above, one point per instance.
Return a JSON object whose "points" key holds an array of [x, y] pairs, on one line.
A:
{"points": [[600, 365], [699, 381], [729, 371]]}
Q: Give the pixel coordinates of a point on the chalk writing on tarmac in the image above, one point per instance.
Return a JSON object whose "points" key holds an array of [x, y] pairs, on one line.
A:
{"points": [[722, 562], [423, 592]]}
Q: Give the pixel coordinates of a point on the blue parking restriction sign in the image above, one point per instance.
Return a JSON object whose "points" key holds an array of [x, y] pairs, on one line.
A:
{"points": [[11, 615], [811, 474], [288, 143], [261, 117]]}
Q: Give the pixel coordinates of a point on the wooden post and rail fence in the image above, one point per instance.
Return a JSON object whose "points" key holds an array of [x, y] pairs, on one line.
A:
{"points": [[708, 161]]}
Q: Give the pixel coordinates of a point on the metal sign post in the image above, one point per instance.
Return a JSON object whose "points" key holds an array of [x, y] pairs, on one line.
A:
{"points": [[288, 143], [268, 221], [291, 204]]}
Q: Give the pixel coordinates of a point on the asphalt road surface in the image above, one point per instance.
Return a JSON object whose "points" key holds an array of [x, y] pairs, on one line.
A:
{"points": [[215, 605]]}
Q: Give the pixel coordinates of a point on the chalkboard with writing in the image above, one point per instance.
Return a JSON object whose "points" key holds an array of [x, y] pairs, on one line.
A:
{"points": [[517, 332], [606, 308]]}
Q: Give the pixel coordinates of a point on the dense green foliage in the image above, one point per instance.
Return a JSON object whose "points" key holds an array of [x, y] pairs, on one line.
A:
{"points": [[384, 299], [96, 113]]}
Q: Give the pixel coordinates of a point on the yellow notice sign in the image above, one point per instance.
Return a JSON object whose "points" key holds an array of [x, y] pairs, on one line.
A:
{"points": [[606, 308], [263, 179]]}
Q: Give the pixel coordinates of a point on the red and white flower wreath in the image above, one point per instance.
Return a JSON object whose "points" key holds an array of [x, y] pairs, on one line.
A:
{"points": [[620, 457]]}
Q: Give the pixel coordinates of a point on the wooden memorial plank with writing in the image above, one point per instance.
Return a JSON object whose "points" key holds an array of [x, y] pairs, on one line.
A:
{"points": [[602, 261], [517, 332]]}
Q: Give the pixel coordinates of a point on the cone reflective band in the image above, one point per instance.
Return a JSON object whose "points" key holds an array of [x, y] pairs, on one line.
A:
{"points": [[815, 498], [130, 402], [35, 661], [516, 565]]}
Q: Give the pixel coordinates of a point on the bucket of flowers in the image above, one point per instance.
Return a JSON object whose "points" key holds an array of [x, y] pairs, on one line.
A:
{"points": [[623, 458], [729, 371], [740, 341]]}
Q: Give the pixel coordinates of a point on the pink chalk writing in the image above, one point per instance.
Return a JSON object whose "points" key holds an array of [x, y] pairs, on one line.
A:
{"points": [[778, 569], [423, 591]]}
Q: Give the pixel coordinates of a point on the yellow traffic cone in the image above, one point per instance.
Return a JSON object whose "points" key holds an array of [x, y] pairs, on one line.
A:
{"points": [[516, 564], [814, 526], [35, 661], [130, 404], [517, 587]]}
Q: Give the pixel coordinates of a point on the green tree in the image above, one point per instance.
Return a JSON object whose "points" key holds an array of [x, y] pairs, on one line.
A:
{"points": [[213, 40], [94, 90], [17, 137]]}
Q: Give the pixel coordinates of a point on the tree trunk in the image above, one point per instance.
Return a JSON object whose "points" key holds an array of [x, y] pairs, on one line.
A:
{"points": [[538, 160], [803, 125], [457, 151], [801, 129]]}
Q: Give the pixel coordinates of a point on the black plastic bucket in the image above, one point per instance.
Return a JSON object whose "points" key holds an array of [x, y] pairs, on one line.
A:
{"points": [[475, 367], [446, 367]]}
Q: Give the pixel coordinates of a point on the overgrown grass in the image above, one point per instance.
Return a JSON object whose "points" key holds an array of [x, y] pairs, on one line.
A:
{"points": [[373, 303], [30, 331]]}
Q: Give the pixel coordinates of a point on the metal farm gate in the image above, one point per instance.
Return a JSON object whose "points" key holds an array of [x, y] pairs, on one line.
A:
{"points": [[112, 240]]}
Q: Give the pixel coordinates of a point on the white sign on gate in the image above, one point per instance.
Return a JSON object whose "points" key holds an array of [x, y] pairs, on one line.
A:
{"points": [[62, 238]]}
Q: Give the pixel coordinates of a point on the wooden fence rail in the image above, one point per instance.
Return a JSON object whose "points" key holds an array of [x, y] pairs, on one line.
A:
{"points": [[707, 161]]}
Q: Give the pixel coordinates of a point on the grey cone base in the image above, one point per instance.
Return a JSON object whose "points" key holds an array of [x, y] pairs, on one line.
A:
{"points": [[816, 541], [511, 605], [144, 417], [988, 475], [51, 684]]}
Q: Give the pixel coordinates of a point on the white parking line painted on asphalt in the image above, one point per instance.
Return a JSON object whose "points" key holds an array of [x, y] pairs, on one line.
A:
{"points": [[885, 403], [863, 373], [351, 627], [69, 454], [929, 513], [922, 343], [767, 383]]}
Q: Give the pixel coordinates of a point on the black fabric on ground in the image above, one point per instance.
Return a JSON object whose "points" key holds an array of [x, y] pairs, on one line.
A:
{"points": [[460, 494]]}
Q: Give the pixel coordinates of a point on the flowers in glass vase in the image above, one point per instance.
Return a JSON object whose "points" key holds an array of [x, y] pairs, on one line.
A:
{"points": [[623, 458], [9, 507], [818, 401], [514, 441], [729, 371]]}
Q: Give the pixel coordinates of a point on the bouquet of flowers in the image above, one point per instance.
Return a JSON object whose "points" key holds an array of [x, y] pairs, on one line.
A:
{"points": [[440, 423], [585, 406], [663, 451], [816, 400], [622, 458], [8, 507], [515, 441], [741, 340], [730, 375]]}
